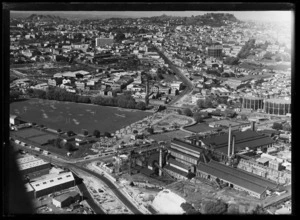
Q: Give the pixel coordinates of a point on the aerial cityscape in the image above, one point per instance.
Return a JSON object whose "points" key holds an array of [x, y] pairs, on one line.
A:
{"points": [[152, 112]]}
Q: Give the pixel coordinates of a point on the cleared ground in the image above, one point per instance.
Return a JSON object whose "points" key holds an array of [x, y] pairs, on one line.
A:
{"points": [[168, 136], [75, 116], [200, 127]]}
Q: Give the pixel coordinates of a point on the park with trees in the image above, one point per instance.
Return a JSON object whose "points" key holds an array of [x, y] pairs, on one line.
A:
{"points": [[54, 93]]}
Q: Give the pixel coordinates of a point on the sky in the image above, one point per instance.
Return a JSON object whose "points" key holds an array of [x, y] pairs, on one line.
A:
{"points": [[241, 15]]}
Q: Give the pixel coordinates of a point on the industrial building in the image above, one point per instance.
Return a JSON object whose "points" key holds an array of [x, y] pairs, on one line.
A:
{"points": [[277, 106], [53, 183], [31, 165], [183, 158], [267, 168], [235, 178], [238, 141], [66, 199], [253, 103]]}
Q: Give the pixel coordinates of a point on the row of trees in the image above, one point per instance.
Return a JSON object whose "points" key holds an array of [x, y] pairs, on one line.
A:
{"points": [[279, 126], [123, 101], [246, 49], [219, 207], [198, 116], [231, 61], [59, 143], [14, 95]]}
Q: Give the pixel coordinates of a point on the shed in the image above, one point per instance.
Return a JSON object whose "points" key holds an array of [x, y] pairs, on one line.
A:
{"points": [[66, 199]]}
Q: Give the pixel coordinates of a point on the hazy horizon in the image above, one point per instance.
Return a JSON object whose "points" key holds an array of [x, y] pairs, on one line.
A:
{"points": [[241, 15]]}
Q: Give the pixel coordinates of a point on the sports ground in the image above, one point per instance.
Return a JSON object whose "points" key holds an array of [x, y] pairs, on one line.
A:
{"points": [[75, 116]]}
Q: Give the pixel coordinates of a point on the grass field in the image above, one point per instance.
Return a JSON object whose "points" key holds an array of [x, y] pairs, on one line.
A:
{"points": [[75, 116], [30, 132]]}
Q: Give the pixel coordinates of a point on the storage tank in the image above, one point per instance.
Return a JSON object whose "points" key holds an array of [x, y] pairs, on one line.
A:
{"points": [[251, 102], [277, 106]]}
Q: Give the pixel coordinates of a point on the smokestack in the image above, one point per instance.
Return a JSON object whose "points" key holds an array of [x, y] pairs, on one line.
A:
{"points": [[233, 143], [160, 161], [229, 140], [253, 125]]}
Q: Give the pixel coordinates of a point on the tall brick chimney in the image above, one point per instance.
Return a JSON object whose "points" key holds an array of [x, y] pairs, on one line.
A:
{"points": [[229, 140], [233, 143]]}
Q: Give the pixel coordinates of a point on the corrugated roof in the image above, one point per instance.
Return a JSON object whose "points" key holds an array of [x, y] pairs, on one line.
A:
{"points": [[53, 181], [65, 196], [31, 164], [244, 139], [180, 172], [238, 177], [186, 145], [177, 163]]}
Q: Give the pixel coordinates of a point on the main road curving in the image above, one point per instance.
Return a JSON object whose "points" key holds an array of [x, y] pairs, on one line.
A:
{"points": [[114, 189]]}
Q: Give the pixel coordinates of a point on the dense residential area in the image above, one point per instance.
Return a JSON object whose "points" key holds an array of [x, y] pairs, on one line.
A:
{"points": [[152, 115]]}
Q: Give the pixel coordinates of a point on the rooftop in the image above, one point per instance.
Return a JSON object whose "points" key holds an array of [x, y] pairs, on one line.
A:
{"points": [[65, 196], [53, 181], [238, 177], [248, 138], [186, 145], [25, 166]]}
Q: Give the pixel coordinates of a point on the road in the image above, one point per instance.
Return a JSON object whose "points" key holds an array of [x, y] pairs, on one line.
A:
{"points": [[278, 199], [189, 85], [73, 166], [89, 198], [112, 187]]}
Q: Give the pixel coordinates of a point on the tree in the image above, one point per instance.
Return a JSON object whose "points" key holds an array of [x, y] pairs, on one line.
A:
{"points": [[119, 37], [188, 208], [141, 105], [70, 133], [278, 59], [208, 103], [85, 132], [160, 75], [233, 209], [244, 117], [258, 210], [96, 133], [107, 134], [286, 127], [268, 55], [231, 61], [150, 130], [179, 111], [201, 103], [277, 126], [84, 99], [212, 207], [198, 117], [58, 142], [14, 95], [135, 131], [69, 147], [245, 51], [188, 112]]}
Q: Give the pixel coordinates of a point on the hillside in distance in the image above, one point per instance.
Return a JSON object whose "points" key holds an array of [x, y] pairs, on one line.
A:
{"points": [[45, 18]]}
